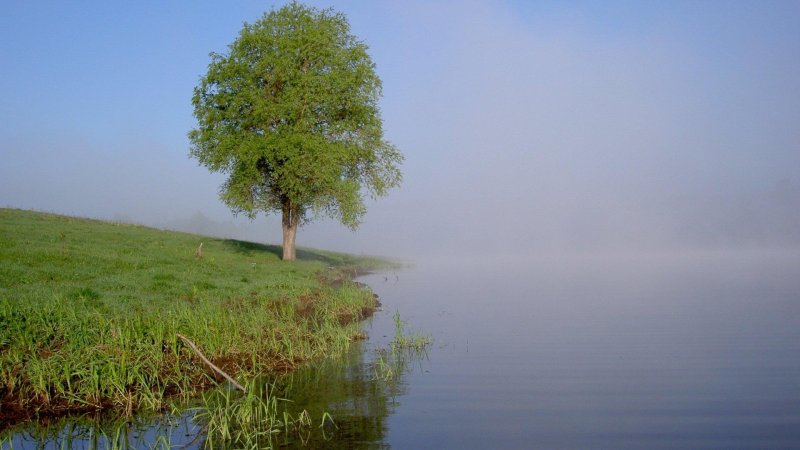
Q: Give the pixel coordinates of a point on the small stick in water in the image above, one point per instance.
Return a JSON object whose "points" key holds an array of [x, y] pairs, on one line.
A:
{"points": [[209, 363]]}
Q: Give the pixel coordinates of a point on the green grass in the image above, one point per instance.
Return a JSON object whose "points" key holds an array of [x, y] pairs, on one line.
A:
{"points": [[404, 341], [391, 362], [253, 420], [89, 312]]}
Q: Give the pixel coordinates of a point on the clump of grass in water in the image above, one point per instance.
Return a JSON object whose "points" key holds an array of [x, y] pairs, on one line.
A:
{"points": [[390, 363], [402, 340], [253, 420], [383, 367]]}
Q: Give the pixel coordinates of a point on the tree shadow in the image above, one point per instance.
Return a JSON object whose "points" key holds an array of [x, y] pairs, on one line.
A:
{"points": [[251, 248], [254, 248], [311, 255]]}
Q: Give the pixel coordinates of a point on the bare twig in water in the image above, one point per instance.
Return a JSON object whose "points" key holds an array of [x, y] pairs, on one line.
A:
{"points": [[209, 363], [196, 437]]}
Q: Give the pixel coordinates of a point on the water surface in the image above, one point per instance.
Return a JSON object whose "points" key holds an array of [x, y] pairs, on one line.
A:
{"points": [[680, 351]]}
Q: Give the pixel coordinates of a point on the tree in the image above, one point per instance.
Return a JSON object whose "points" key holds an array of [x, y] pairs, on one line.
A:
{"points": [[291, 114]]}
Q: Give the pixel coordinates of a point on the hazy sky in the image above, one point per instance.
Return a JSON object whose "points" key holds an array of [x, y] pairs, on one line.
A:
{"points": [[527, 126]]}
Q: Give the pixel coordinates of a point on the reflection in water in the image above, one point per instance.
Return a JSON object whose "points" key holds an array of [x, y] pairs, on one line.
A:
{"points": [[347, 401], [359, 393], [101, 432]]}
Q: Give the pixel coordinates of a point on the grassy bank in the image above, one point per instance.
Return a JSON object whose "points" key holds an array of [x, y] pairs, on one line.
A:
{"points": [[90, 312]]}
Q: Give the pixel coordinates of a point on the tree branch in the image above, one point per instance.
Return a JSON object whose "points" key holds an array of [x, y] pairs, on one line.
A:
{"points": [[209, 363]]}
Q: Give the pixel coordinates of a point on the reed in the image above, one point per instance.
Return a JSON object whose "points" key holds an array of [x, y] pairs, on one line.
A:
{"points": [[255, 419], [391, 362], [404, 341]]}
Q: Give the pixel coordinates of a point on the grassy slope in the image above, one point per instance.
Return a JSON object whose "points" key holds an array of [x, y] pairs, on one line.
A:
{"points": [[89, 312]]}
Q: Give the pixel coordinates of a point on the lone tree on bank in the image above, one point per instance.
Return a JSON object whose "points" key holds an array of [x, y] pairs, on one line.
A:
{"points": [[290, 114]]}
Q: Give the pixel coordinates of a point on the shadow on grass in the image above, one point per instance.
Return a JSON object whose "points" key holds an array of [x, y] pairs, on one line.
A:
{"points": [[253, 248]]}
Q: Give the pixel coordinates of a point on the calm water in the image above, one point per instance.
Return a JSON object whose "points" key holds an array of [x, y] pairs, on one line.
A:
{"points": [[680, 352]]}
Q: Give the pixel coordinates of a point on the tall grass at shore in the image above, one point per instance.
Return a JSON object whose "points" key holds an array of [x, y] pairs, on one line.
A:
{"points": [[90, 312], [309, 407]]}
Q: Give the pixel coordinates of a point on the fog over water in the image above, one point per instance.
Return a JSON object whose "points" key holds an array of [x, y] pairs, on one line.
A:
{"points": [[614, 128]]}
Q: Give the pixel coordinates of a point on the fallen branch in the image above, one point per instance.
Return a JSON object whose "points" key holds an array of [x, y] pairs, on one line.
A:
{"points": [[209, 363]]}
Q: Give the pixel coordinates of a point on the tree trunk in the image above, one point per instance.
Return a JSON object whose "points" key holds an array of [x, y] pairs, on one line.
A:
{"points": [[289, 222]]}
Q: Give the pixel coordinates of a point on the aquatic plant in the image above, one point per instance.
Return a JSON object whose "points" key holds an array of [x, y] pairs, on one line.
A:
{"points": [[251, 420], [401, 341], [389, 363]]}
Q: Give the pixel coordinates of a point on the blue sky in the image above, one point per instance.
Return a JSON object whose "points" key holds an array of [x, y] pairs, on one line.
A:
{"points": [[527, 126]]}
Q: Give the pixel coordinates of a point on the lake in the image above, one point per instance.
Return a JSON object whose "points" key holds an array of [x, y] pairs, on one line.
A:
{"points": [[697, 350], [681, 351]]}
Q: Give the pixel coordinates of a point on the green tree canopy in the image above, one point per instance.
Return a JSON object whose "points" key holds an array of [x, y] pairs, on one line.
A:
{"points": [[291, 114]]}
